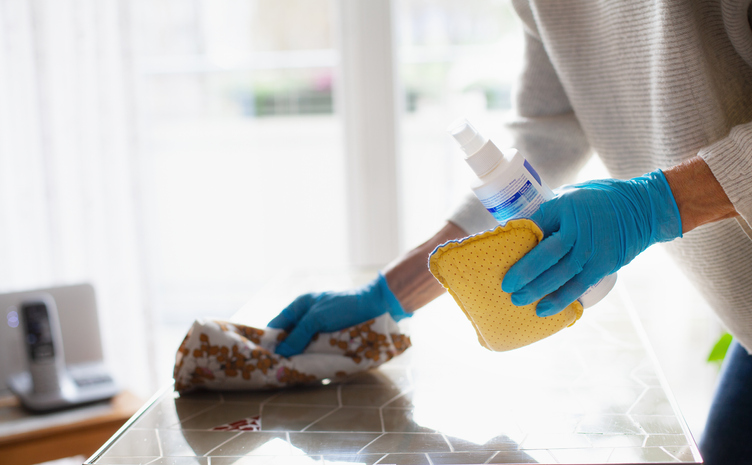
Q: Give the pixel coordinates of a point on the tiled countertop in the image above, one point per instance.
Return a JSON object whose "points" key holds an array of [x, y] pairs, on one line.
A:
{"points": [[589, 394]]}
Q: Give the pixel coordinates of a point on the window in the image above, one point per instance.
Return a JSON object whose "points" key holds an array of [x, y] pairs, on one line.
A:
{"points": [[456, 60], [243, 169], [246, 171]]}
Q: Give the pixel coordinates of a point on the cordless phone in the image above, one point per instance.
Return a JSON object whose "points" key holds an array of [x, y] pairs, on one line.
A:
{"points": [[49, 383], [44, 345]]}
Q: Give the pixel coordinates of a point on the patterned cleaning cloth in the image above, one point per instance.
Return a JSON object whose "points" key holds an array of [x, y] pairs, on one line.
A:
{"points": [[230, 356], [472, 269]]}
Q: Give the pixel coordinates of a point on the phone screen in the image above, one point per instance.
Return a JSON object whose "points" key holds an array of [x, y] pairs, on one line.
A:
{"points": [[38, 331]]}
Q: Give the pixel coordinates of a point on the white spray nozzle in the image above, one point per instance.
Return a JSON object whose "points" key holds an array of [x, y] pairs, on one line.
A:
{"points": [[467, 136], [480, 153]]}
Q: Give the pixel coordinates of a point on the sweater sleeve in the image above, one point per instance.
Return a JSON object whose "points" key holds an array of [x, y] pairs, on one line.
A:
{"points": [[730, 160], [544, 127]]}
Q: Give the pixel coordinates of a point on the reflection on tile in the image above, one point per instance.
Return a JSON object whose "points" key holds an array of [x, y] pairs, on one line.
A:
{"points": [[350, 419], [554, 441], [126, 460], [198, 395], [221, 414], [609, 399], [460, 457], [359, 459], [606, 379], [181, 461], [168, 411], [187, 406], [615, 330], [683, 453], [566, 370], [408, 442], [528, 456], [372, 396], [384, 376], [646, 374], [581, 456], [331, 443], [318, 395], [291, 418], [267, 460], [587, 395], [432, 375], [640, 455], [403, 401], [184, 443], [135, 442], [653, 402], [544, 399], [608, 424], [257, 443], [658, 424], [551, 423], [476, 420], [612, 367], [159, 417], [616, 440], [406, 459], [666, 440], [397, 420], [254, 397], [497, 443]]}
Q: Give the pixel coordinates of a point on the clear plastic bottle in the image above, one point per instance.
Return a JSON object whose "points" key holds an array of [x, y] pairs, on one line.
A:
{"points": [[509, 187]]}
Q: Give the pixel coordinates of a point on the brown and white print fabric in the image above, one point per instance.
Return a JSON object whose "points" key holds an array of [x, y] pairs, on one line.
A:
{"points": [[231, 356]]}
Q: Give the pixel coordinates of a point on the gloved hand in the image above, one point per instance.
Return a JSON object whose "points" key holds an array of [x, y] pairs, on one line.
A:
{"points": [[332, 311], [591, 230]]}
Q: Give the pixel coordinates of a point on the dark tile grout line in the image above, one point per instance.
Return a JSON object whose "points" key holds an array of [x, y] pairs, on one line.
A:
{"points": [[339, 406], [372, 441], [639, 398], [451, 447], [384, 405], [159, 442], [381, 418], [180, 421], [208, 454], [488, 460]]}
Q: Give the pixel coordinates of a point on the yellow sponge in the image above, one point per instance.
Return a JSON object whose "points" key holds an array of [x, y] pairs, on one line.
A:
{"points": [[472, 270]]}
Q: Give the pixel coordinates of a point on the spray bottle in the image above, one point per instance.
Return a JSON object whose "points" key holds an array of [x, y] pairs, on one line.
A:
{"points": [[509, 187]]}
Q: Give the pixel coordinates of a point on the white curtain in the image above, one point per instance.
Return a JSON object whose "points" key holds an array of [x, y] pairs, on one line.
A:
{"points": [[69, 184]]}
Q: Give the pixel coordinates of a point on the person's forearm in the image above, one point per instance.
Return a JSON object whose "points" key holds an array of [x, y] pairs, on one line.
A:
{"points": [[698, 194], [408, 276]]}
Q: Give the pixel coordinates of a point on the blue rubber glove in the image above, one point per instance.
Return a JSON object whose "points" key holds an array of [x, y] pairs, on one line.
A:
{"points": [[591, 230], [333, 311]]}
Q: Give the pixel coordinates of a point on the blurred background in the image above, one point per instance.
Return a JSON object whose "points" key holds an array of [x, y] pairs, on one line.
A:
{"points": [[180, 155]]}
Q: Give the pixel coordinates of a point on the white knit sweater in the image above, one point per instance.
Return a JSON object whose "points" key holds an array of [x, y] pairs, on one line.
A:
{"points": [[646, 84]]}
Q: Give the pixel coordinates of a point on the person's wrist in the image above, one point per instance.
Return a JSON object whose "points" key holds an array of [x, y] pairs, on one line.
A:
{"points": [[392, 303], [664, 213], [699, 196]]}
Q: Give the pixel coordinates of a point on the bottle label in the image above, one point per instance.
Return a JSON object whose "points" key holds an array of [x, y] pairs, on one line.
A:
{"points": [[519, 199], [532, 172]]}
